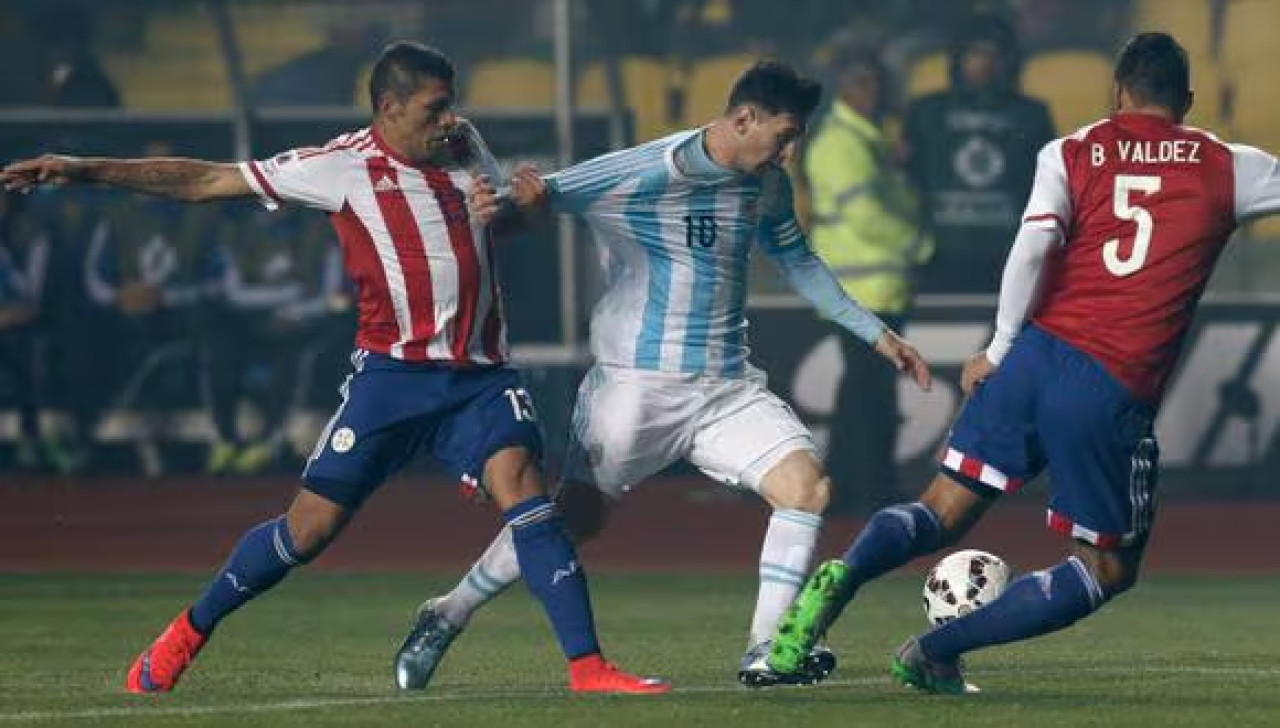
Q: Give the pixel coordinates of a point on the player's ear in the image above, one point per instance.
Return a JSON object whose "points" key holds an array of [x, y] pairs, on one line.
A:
{"points": [[743, 117], [386, 103], [1186, 108]]}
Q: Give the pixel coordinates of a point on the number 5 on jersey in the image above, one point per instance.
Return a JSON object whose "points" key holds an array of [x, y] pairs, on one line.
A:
{"points": [[1122, 204]]}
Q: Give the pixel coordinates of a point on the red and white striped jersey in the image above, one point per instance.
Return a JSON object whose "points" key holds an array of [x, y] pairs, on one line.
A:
{"points": [[424, 268], [1144, 207]]}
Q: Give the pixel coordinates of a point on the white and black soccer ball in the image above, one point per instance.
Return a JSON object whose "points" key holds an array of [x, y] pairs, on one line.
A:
{"points": [[962, 582]]}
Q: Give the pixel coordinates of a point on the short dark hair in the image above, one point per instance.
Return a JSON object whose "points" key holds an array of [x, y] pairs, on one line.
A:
{"points": [[1154, 69], [777, 88], [401, 68]]}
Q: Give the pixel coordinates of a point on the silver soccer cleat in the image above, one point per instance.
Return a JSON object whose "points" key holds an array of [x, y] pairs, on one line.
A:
{"points": [[424, 647], [755, 672]]}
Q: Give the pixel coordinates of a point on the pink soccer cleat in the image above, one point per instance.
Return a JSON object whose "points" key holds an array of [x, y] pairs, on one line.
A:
{"points": [[593, 674], [159, 666]]}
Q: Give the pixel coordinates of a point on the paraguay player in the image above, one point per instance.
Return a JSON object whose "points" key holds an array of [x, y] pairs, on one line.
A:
{"points": [[431, 360], [1125, 222], [677, 219]]}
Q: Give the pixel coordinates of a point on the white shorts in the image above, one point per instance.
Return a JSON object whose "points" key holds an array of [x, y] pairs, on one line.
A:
{"points": [[629, 424]]}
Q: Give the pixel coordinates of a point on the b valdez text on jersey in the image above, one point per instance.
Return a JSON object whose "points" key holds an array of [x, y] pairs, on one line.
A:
{"points": [[1175, 151]]}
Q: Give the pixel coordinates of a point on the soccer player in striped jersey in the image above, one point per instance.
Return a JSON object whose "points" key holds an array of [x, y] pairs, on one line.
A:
{"points": [[678, 219], [431, 359], [1124, 224]]}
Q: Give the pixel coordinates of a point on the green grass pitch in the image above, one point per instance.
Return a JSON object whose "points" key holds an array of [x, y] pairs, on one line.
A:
{"points": [[1179, 651]]}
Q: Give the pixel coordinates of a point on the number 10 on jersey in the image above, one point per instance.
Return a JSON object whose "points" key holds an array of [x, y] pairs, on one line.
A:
{"points": [[700, 230]]}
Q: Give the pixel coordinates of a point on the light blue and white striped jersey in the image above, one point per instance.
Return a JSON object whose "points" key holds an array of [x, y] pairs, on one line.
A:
{"points": [[676, 253]]}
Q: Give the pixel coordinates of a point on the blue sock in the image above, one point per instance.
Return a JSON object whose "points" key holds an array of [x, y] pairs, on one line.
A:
{"points": [[264, 555], [1034, 604], [892, 537], [549, 565]]}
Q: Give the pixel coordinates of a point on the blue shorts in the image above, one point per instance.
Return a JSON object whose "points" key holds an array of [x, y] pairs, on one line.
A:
{"points": [[1051, 405], [391, 407]]}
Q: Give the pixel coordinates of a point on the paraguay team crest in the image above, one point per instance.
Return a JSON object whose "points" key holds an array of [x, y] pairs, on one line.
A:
{"points": [[343, 440]]}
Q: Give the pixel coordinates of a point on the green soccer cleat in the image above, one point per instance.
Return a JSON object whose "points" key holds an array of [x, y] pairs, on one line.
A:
{"points": [[912, 668], [807, 619]]}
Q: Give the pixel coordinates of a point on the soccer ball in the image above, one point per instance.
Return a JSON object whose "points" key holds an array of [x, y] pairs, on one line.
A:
{"points": [[962, 582]]}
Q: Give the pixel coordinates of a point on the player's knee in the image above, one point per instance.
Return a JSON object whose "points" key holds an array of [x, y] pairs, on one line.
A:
{"points": [[512, 476], [312, 535], [799, 483], [1115, 570], [584, 510]]}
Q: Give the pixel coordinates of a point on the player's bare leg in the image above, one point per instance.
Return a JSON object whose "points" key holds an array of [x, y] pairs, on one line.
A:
{"points": [[892, 537], [262, 558], [799, 490]]}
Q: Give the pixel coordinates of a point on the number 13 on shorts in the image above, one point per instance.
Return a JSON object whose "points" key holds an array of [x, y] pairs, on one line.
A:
{"points": [[521, 404]]}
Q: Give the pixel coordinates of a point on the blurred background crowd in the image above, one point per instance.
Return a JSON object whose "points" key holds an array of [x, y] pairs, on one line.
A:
{"points": [[223, 328]]}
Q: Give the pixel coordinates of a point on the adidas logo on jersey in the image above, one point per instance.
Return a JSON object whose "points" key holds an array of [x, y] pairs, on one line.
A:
{"points": [[385, 184]]}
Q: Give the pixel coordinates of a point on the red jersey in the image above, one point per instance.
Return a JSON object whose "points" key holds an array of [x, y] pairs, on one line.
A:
{"points": [[424, 268], [1144, 207]]}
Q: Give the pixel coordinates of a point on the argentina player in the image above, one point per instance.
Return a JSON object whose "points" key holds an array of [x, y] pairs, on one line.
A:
{"points": [[677, 219]]}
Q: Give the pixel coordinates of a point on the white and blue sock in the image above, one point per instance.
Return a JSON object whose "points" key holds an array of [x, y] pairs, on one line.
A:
{"points": [[262, 558], [785, 558], [550, 568], [495, 570], [1034, 604]]}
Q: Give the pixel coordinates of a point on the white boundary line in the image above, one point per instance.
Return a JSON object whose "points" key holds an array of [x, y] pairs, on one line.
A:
{"points": [[142, 711]]}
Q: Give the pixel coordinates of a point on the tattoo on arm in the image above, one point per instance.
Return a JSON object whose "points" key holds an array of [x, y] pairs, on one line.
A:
{"points": [[184, 179]]}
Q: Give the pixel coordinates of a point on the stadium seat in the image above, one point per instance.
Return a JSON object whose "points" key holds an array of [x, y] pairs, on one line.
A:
{"points": [[927, 75], [1256, 119], [179, 66], [162, 80], [360, 94], [1265, 228], [1206, 81], [707, 86], [1075, 84], [1190, 21], [269, 35], [645, 83], [1249, 30], [510, 83]]}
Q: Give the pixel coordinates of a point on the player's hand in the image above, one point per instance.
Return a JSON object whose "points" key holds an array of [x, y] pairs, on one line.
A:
{"points": [[136, 299], [48, 169], [482, 199], [528, 189], [977, 369], [16, 315], [904, 358]]}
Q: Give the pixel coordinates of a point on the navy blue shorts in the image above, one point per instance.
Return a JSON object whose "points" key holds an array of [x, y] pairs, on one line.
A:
{"points": [[390, 408], [1051, 405]]}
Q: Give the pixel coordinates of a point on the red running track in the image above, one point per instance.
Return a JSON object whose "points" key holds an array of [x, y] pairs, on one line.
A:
{"points": [[673, 525]]}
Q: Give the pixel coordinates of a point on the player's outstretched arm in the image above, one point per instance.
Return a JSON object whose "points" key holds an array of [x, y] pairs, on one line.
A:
{"points": [[190, 180], [904, 357]]}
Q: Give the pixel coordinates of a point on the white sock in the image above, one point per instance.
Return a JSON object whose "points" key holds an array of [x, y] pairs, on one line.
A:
{"points": [[496, 570], [784, 565]]}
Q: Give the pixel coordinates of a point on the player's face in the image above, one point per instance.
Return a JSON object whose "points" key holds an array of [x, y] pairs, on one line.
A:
{"points": [[982, 64], [423, 121], [766, 139]]}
